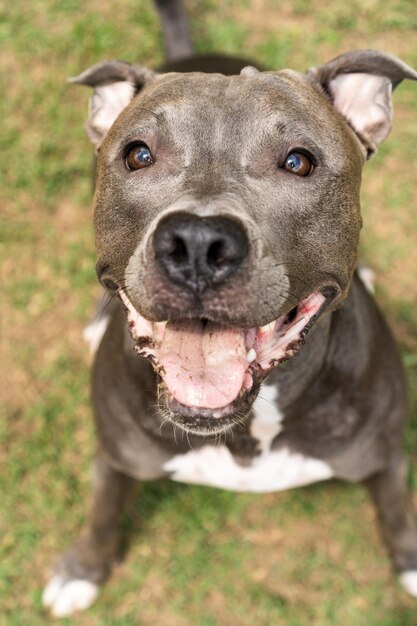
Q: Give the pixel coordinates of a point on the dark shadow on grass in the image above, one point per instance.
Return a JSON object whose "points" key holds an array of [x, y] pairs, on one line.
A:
{"points": [[145, 505], [197, 503]]}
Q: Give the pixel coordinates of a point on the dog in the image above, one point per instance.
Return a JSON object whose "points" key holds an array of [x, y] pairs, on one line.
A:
{"points": [[227, 220]]}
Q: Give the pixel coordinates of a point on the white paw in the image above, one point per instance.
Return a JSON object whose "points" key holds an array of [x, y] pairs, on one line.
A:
{"points": [[409, 582], [64, 597]]}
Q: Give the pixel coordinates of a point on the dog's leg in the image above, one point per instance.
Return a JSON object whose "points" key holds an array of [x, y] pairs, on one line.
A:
{"points": [[393, 502], [74, 584]]}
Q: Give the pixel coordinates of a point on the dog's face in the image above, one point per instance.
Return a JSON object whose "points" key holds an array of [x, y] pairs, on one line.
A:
{"points": [[227, 215]]}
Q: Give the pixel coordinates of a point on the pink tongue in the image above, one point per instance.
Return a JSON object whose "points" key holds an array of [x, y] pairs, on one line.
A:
{"points": [[204, 365]]}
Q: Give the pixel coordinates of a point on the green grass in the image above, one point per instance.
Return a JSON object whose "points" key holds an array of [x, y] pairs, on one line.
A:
{"points": [[198, 556]]}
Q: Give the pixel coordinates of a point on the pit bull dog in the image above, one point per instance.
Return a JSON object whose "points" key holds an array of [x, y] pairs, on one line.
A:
{"points": [[227, 220]]}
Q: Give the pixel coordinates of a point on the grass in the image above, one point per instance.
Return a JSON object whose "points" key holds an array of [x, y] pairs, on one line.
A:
{"points": [[199, 556]]}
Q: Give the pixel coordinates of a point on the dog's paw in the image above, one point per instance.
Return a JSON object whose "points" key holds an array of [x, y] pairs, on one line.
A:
{"points": [[64, 597], [409, 582]]}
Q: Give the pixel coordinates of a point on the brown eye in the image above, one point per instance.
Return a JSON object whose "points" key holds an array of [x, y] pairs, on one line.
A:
{"points": [[138, 157], [298, 163]]}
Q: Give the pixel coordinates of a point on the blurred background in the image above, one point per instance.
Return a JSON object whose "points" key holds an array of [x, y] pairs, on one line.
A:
{"points": [[199, 556]]}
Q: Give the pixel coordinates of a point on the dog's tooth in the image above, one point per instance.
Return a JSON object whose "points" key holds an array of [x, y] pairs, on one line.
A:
{"points": [[251, 355], [268, 328]]}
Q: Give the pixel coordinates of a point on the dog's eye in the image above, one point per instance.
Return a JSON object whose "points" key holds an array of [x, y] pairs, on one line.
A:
{"points": [[298, 163], [138, 157]]}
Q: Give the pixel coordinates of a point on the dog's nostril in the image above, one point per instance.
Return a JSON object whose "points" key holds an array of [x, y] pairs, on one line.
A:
{"points": [[178, 253], [216, 253]]}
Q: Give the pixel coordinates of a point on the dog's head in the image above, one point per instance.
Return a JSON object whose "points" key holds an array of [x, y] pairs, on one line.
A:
{"points": [[227, 214]]}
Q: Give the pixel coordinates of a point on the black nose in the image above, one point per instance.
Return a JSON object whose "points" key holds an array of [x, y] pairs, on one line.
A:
{"points": [[199, 252]]}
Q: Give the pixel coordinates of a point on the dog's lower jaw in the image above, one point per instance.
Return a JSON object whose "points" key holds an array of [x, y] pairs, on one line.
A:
{"points": [[207, 422], [204, 426]]}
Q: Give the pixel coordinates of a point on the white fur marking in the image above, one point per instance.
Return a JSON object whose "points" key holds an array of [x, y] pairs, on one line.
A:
{"points": [[270, 471], [409, 582], [275, 471], [266, 424], [63, 597], [367, 276], [93, 333]]}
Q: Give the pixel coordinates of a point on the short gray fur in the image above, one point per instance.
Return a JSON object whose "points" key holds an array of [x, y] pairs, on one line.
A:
{"points": [[343, 395]]}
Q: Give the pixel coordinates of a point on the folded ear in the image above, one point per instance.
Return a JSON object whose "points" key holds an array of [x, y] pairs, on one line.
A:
{"points": [[360, 83], [115, 83]]}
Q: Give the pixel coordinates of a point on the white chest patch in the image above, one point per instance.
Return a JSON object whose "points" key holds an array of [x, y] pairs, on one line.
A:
{"points": [[270, 471], [267, 423]]}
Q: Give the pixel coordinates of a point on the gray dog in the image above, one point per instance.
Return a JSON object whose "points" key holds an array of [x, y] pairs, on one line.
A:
{"points": [[227, 221]]}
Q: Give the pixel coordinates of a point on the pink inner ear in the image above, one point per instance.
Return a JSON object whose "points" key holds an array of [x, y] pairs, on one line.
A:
{"points": [[365, 101], [106, 104]]}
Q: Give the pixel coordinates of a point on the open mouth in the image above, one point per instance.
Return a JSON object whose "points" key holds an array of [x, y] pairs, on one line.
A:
{"points": [[207, 370]]}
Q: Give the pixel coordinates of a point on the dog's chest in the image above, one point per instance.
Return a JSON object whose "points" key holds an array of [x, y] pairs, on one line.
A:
{"points": [[272, 470]]}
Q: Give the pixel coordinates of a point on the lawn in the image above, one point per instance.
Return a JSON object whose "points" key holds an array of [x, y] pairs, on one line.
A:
{"points": [[198, 556]]}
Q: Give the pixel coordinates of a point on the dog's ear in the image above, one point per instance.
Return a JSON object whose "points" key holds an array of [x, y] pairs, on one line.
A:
{"points": [[115, 83], [360, 83]]}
